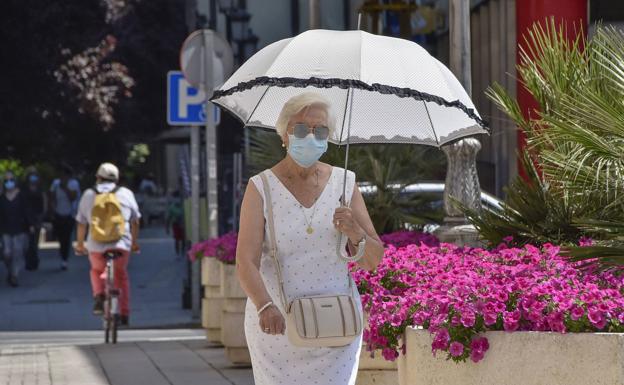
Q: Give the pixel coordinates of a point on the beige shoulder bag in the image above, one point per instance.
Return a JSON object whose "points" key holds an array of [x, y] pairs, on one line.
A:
{"points": [[328, 320]]}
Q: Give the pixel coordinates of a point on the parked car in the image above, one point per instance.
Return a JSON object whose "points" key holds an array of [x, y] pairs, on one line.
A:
{"points": [[434, 192]]}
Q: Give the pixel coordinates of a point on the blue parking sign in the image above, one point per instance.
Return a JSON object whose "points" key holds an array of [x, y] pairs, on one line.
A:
{"points": [[185, 104]]}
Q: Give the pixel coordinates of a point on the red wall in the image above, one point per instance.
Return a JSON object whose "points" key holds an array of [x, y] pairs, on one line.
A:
{"points": [[571, 12]]}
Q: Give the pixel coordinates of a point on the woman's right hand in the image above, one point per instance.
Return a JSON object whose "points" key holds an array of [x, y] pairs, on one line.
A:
{"points": [[272, 321]]}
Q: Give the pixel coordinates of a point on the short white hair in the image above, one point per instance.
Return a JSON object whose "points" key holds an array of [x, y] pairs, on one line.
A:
{"points": [[299, 102]]}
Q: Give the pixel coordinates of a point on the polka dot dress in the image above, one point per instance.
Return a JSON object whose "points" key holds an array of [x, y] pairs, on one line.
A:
{"points": [[309, 266]]}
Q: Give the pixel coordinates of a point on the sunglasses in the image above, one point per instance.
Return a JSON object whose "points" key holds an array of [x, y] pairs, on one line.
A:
{"points": [[301, 130]]}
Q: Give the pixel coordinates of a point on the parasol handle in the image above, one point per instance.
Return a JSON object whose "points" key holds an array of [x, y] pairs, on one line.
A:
{"points": [[340, 249]]}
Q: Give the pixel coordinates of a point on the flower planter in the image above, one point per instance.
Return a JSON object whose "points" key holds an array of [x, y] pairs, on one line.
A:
{"points": [[375, 370], [519, 358], [233, 317], [212, 302], [211, 272]]}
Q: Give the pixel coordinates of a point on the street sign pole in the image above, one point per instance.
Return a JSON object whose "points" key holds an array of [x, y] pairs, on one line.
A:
{"points": [[195, 268], [205, 58], [211, 139]]}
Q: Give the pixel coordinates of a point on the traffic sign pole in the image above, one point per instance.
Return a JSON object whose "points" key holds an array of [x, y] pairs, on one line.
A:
{"points": [[195, 267], [211, 141], [202, 55]]}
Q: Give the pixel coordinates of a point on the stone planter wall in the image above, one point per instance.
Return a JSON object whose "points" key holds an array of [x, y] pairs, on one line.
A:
{"points": [[233, 317], [212, 302], [519, 358], [375, 371]]}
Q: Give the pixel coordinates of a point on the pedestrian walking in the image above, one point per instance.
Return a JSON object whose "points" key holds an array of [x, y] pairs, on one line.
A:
{"points": [[174, 223], [64, 197], [15, 223], [36, 203], [118, 204], [148, 185], [291, 223]]}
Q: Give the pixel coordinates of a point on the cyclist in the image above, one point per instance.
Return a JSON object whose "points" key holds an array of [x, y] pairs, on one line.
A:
{"points": [[114, 203]]}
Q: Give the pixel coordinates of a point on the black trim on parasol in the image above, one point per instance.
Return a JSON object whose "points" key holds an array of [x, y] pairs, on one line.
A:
{"points": [[350, 83]]}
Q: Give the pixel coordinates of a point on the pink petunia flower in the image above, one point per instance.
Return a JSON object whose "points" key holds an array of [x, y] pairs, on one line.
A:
{"points": [[456, 349]]}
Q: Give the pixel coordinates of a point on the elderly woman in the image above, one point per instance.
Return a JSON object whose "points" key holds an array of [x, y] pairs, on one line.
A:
{"points": [[308, 218]]}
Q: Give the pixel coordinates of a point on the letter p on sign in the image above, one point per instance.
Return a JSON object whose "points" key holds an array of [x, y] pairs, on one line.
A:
{"points": [[185, 104]]}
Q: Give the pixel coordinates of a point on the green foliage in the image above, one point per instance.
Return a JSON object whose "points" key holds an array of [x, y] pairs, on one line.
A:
{"points": [[575, 140], [390, 168], [138, 155], [11, 165], [387, 167], [534, 212]]}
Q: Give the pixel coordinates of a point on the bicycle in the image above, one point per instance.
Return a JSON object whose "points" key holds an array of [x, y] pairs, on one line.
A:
{"points": [[111, 314]]}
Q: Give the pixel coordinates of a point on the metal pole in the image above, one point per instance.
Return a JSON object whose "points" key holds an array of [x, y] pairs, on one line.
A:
{"points": [[195, 269], [460, 42], [462, 182], [315, 14], [212, 22], [237, 178], [234, 186], [212, 194]]}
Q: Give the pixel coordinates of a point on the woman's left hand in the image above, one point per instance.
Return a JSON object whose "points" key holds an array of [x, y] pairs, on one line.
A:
{"points": [[346, 224]]}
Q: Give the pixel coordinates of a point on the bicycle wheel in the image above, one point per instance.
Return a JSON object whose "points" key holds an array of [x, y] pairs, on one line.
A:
{"points": [[107, 333], [107, 321], [114, 327]]}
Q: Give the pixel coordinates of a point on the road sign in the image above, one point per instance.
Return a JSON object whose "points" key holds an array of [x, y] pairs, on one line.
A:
{"points": [[185, 104], [196, 58]]}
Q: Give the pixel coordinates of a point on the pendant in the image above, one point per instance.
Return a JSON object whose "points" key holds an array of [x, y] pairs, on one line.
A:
{"points": [[309, 230]]}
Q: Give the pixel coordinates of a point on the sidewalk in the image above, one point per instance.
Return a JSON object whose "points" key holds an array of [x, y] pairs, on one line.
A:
{"points": [[51, 299], [190, 361]]}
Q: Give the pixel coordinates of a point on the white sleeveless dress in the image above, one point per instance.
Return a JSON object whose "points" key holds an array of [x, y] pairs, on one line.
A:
{"points": [[309, 266]]}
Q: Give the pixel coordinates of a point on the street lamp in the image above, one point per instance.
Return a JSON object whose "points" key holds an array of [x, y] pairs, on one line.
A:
{"points": [[239, 33]]}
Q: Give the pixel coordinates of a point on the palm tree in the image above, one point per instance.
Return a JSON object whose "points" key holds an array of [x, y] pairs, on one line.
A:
{"points": [[576, 138]]}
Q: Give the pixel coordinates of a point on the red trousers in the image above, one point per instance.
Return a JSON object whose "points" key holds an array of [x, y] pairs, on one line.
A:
{"points": [[98, 267]]}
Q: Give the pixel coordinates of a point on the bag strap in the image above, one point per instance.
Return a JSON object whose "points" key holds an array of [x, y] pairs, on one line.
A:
{"points": [[278, 268]]}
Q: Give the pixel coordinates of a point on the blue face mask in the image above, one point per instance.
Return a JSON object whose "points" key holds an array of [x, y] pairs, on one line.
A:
{"points": [[9, 184], [33, 178], [306, 151]]}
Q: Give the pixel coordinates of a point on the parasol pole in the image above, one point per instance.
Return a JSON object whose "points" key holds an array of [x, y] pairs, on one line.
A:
{"points": [[343, 199], [344, 181]]}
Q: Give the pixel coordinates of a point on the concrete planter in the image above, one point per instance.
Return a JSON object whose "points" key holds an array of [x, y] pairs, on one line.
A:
{"points": [[519, 358], [210, 272], [376, 371], [212, 303], [233, 317]]}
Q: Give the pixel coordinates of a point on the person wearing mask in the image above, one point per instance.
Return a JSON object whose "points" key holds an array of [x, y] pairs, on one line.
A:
{"points": [[65, 193], [36, 203], [175, 223], [107, 178], [15, 225], [294, 218]]}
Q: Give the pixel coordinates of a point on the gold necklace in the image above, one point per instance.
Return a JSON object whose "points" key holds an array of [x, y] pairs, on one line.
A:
{"points": [[309, 228]]}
